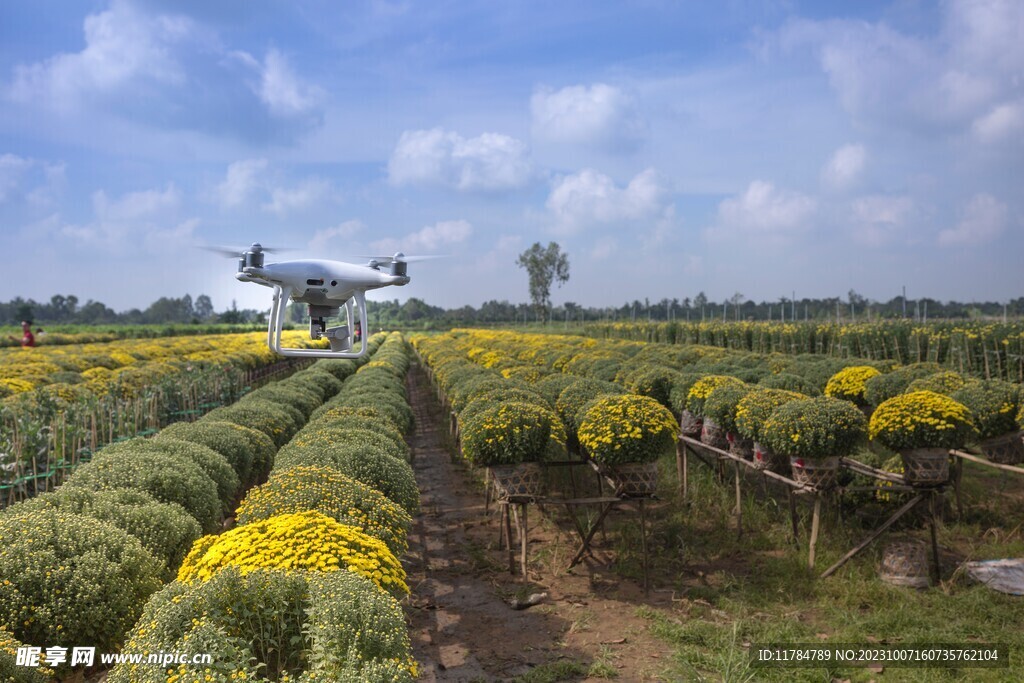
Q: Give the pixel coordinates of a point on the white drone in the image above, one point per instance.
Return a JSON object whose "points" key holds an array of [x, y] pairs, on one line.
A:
{"points": [[327, 287]]}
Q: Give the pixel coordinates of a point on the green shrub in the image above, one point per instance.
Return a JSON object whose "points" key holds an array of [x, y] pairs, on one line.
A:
{"points": [[165, 529], [882, 387], [940, 382], [210, 461], [577, 395], [322, 435], [316, 380], [681, 391], [993, 404], [283, 394], [264, 416], [702, 388], [228, 439], [394, 407], [628, 429], [340, 368], [168, 478], [355, 418], [11, 671], [68, 579], [369, 464], [790, 382], [328, 491], [655, 381], [552, 386], [337, 626], [815, 428], [507, 434], [848, 383], [497, 396], [722, 402], [754, 409]]}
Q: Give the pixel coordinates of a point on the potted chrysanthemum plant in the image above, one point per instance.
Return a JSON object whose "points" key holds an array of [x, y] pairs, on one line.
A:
{"points": [[994, 405]]}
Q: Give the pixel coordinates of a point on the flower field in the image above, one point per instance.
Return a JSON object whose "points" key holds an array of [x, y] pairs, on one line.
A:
{"points": [[302, 588], [58, 404], [980, 349]]}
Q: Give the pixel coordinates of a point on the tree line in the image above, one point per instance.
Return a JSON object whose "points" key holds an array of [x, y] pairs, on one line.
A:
{"points": [[417, 313]]}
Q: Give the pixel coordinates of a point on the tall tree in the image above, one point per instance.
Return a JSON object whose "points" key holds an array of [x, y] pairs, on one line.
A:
{"points": [[544, 265]]}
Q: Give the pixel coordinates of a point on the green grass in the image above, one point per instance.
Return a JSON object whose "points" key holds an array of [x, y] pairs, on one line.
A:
{"points": [[553, 672], [738, 591]]}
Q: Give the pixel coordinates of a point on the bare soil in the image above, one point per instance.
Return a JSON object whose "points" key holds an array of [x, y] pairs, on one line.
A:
{"points": [[461, 622]]}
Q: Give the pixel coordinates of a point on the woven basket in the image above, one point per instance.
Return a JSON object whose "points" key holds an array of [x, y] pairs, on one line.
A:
{"points": [[523, 479], [713, 435], [740, 447], [905, 563], [634, 478], [815, 474], [1007, 449], [690, 425], [765, 459], [925, 466]]}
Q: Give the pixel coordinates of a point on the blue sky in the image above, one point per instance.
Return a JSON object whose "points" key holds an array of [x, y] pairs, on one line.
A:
{"points": [[757, 147]]}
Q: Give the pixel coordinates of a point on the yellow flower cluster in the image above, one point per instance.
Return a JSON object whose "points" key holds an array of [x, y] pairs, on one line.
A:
{"points": [[921, 419], [848, 383], [703, 387], [307, 540], [627, 428]]}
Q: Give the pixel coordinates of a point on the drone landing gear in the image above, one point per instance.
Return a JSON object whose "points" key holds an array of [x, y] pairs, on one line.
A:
{"points": [[340, 337]]}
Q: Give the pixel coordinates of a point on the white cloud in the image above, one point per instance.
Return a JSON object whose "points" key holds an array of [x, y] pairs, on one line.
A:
{"points": [[287, 199], [600, 114], [604, 248], [12, 169], [284, 93], [243, 178], [324, 240], [427, 240], [1002, 122], [37, 181], [120, 224], [590, 197], [844, 167], [121, 46], [947, 80], [763, 213], [984, 219], [489, 162], [879, 219]]}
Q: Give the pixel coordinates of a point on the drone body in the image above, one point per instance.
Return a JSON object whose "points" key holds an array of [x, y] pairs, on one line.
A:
{"points": [[327, 287]]}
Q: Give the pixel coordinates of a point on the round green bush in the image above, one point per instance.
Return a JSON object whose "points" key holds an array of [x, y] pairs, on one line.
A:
{"points": [[681, 391], [940, 382], [754, 409], [355, 418], [496, 396], [328, 491], [337, 626], [882, 387], [655, 381], [68, 579], [264, 416], [552, 386], [340, 368], [702, 388], [323, 435], [226, 438], [394, 407], [168, 478], [164, 529], [507, 434], [627, 429], [722, 402], [994, 404], [281, 393], [577, 395], [363, 462], [210, 461], [316, 380], [11, 671], [787, 381], [815, 428]]}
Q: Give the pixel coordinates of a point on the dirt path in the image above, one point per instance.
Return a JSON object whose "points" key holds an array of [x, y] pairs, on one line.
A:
{"points": [[461, 625]]}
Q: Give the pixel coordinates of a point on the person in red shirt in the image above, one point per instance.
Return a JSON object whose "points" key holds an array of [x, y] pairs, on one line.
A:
{"points": [[27, 339]]}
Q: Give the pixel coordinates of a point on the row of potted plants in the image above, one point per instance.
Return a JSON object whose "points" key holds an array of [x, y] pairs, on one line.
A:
{"points": [[306, 586], [84, 577]]}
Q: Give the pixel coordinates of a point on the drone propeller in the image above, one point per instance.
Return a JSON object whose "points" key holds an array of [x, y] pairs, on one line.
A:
{"points": [[401, 258], [235, 252]]}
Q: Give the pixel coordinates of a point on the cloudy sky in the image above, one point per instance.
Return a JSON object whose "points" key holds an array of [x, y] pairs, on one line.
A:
{"points": [[752, 146]]}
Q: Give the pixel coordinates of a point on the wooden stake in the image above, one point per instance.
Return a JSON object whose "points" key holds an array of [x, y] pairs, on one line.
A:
{"points": [[815, 525]]}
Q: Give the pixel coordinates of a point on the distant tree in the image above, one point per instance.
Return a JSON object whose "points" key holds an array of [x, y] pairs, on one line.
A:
{"points": [[24, 312], [203, 307], [544, 266]]}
